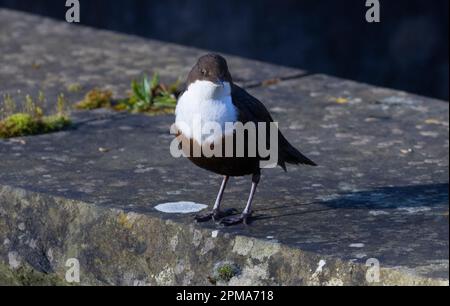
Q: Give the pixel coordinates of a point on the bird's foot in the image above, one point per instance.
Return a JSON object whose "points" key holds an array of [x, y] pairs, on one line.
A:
{"points": [[238, 219], [215, 215]]}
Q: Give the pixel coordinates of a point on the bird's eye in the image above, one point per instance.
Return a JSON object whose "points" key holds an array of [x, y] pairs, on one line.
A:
{"points": [[203, 71]]}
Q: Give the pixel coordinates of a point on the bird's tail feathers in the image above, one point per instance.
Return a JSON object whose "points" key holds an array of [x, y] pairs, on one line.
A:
{"points": [[289, 154]]}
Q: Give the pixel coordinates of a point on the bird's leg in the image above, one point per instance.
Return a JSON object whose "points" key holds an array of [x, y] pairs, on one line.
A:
{"points": [[216, 213], [243, 218]]}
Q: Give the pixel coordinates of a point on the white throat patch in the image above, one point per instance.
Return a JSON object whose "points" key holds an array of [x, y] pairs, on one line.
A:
{"points": [[203, 103]]}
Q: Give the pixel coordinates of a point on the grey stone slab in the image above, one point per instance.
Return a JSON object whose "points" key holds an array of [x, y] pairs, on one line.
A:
{"points": [[371, 197]]}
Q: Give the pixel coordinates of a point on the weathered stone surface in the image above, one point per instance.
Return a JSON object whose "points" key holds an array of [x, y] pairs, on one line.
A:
{"points": [[40, 54], [381, 190]]}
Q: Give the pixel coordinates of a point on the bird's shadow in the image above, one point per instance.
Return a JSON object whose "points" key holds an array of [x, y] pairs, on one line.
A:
{"points": [[414, 196]]}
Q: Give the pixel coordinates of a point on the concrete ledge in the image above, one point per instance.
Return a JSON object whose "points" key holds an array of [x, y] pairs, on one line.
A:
{"points": [[119, 248], [381, 190]]}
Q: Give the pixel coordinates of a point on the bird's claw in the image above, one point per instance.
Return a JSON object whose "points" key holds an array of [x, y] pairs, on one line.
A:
{"points": [[204, 217], [219, 214], [233, 220], [215, 215]]}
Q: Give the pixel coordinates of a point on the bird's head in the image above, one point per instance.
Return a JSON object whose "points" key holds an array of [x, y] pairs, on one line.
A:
{"points": [[212, 68]]}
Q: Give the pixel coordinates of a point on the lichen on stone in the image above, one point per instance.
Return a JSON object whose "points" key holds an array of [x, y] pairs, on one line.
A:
{"points": [[122, 219], [27, 276]]}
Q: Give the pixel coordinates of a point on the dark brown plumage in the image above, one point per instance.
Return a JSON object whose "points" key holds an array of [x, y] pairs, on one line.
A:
{"points": [[251, 109], [214, 68]]}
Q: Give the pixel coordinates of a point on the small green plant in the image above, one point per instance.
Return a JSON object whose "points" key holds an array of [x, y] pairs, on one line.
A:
{"points": [[225, 271], [8, 106], [151, 95], [31, 120], [61, 105], [147, 95]]}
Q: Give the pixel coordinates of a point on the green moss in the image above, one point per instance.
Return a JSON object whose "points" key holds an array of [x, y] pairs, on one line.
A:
{"points": [[74, 88], [17, 125], [22, 124], [226, 272], [54, 123], [94, 99]]}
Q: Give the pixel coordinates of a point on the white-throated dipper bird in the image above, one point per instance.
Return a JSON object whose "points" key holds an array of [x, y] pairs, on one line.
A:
{"points": [[211, 96]]}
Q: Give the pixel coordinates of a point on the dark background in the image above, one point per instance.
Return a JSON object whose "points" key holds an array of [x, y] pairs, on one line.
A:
{"points": [[408, 50]]}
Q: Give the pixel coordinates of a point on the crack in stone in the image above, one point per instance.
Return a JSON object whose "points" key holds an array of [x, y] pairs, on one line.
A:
{"points": [[276, 80]]}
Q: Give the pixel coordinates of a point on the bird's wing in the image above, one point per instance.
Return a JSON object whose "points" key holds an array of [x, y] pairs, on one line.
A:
{"points": [[249, 108]]}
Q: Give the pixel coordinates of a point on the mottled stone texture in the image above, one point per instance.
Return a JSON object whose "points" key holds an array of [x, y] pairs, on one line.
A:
{"points": [[381, 190], [41, 54]]}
